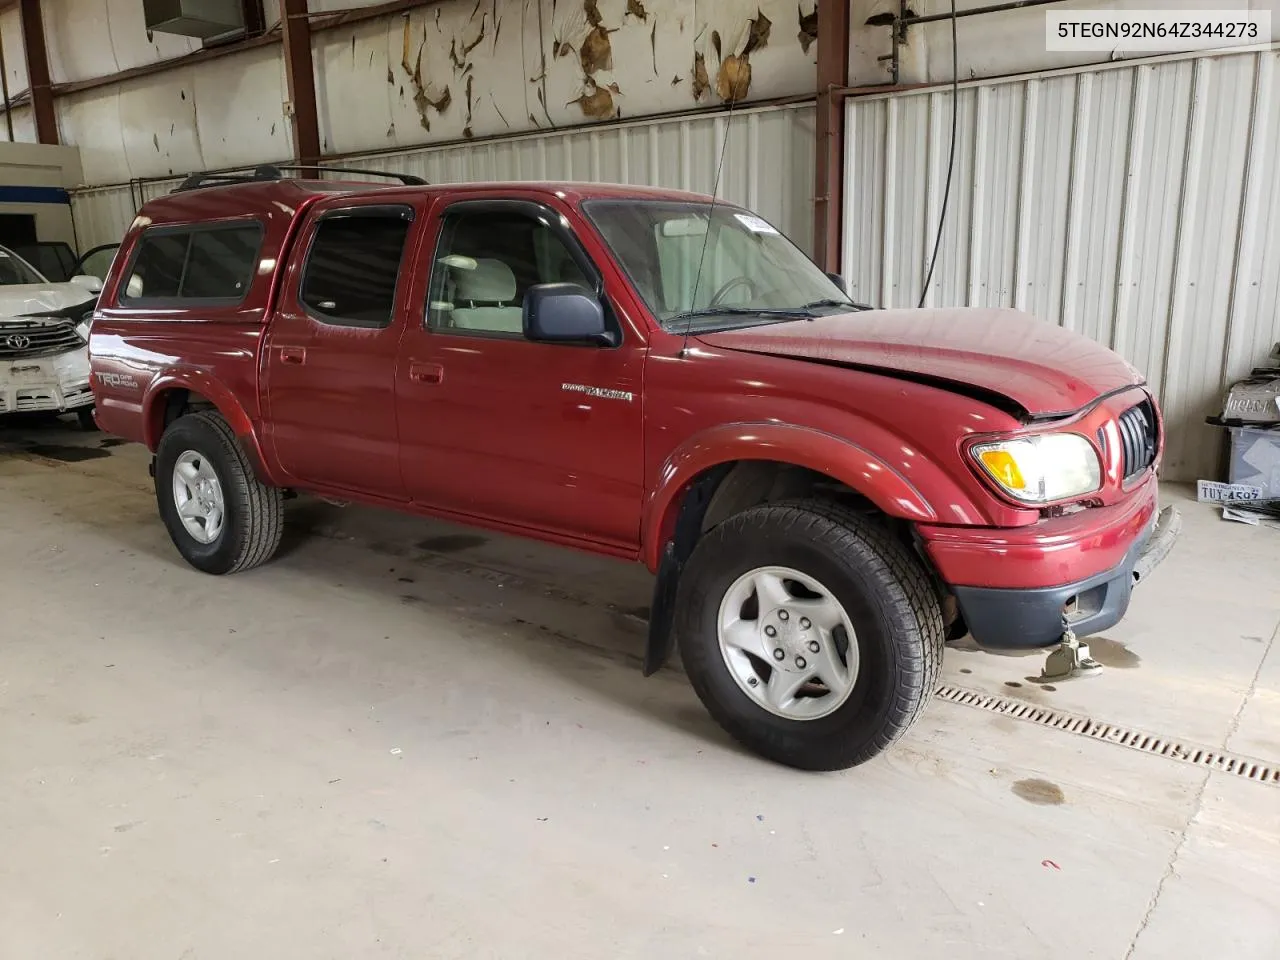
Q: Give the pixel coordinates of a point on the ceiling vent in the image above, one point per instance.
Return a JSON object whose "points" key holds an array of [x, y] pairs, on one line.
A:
{"points": [[200, 19]]}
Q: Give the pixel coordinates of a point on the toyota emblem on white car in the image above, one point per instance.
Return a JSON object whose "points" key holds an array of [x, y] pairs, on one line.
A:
{"points": [[17, 341]]}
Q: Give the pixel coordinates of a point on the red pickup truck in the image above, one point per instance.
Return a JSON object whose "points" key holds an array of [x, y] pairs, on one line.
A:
{"points": [[825, 492]]}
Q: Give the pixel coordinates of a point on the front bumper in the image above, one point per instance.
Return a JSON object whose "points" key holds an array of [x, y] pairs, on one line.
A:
{"points": [[1034, 617], [54, 383]]}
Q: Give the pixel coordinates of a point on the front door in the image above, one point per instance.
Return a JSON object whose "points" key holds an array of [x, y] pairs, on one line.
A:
{"points": [[545, 437], [332, 350]]}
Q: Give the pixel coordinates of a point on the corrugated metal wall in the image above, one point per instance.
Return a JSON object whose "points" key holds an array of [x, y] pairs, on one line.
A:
{"points": [[1137, 204], [768, 165]]}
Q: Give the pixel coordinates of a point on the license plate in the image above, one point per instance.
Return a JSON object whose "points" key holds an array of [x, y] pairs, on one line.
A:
{"points": [[20, 372]]}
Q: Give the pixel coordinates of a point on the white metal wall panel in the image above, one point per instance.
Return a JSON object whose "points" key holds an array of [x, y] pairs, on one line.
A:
{"points": [[1137, 204], [768, 165], [96, 38], [768, 160], [15, 58]]}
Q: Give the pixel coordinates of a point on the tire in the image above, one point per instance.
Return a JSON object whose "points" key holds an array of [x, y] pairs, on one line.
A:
{"points": [[252, 515], [85, 417], [887, 599]]}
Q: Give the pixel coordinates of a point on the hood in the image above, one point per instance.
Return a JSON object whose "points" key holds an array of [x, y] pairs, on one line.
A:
{"points": [[1037, 366], [33, 299]]}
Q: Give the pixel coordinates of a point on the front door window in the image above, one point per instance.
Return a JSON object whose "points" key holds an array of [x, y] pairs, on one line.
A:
{"points": [[485, 262]]}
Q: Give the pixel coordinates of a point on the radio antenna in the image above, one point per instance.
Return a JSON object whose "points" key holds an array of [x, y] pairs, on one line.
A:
{"points": [[715, 192]]}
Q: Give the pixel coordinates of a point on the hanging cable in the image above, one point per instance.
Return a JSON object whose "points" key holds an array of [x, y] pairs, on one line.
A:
{"points": [[951, 162], [715, 191]]}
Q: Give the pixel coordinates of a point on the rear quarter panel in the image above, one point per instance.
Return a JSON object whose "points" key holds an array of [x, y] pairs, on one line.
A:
{"points": [[139, 352]]}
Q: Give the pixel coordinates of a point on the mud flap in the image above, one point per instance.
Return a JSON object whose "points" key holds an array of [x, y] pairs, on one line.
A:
{"points": [[662, 613], [662, 609]]}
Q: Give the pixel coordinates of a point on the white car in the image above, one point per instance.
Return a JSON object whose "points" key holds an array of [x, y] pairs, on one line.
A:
{"points": [[44, 332]]}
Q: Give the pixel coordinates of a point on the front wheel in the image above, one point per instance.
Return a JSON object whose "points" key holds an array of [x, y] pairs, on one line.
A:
{"points": [[811, 634], [219, 515]]}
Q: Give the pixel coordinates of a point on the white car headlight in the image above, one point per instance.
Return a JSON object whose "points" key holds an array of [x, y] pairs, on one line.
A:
{"points": [[1042, 468], [82, 328]]}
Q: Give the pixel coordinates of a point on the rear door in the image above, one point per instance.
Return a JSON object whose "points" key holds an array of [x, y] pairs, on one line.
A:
{"points": [[329, 366]]}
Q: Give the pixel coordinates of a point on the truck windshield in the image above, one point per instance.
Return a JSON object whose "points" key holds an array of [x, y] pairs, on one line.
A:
{"points": [[14, 270], [712, 266]]}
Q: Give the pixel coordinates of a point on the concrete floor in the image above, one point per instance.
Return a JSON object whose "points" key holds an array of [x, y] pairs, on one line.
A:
{"points": [[402, 739]]}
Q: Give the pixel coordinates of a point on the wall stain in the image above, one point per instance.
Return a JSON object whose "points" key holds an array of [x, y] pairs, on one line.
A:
{"points": [[424, 99], [1040, 792], [498, 110], [757, 33], [808, 28], [468, 47], [596, 52], [466, 130], [733, 79], [597, 102], [701, 83], [636, 9]]}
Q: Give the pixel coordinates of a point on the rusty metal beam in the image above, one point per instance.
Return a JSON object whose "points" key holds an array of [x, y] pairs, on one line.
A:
{"points": [[833, 79], [300, 74], [38, 72]]}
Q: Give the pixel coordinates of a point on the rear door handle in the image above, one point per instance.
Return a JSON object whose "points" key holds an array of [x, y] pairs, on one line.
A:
{"points": [[293, 355], [426, 372]]}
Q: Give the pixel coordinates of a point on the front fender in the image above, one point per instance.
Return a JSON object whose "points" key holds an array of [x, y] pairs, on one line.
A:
{"points": [[851, 464], [224, 400]]}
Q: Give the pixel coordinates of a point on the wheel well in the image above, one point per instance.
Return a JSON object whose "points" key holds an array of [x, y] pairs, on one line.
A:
{"points": [[748, 483], [175, 403], [727, 489]]}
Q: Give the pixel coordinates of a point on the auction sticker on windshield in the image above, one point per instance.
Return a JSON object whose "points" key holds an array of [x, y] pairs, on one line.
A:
{"points": [[754, 224]]}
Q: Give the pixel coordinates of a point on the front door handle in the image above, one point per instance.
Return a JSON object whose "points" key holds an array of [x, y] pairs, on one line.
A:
{"points": [[426, 372], [296, 355]]}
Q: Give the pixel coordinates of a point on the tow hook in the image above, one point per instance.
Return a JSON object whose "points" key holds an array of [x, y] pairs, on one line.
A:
{"points": [[1071, 659]]}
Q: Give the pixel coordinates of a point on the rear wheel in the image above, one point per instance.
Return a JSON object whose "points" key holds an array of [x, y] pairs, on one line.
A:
{"points": [[219, 516], [811, 634]]}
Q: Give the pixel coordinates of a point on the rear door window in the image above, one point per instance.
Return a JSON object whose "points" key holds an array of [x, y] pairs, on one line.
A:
{"points": [[215, 263], [353, 266]]}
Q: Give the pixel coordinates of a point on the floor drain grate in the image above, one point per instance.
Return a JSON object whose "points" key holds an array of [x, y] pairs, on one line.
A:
{"points": [[1234, 764]]}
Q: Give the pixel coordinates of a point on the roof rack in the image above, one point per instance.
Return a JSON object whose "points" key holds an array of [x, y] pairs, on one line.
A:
{"points": [[268, 172]]}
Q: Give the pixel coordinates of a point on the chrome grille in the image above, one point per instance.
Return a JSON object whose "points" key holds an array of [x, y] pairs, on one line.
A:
{"points": [[37, 339], [1139, 440]]}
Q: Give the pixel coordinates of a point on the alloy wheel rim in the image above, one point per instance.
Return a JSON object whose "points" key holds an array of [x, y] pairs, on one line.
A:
{"points": [[788, 643], [197, 494]]}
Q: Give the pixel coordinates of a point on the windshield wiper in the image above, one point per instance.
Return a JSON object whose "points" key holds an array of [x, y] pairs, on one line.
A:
{"points": [[832, 302], [797, 312]]}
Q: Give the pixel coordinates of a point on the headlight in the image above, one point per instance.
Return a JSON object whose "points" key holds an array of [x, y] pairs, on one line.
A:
{"points": [[82, 328], [1042, 468]]}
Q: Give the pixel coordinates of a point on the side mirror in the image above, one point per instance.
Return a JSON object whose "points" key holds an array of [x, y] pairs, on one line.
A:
{"points": [[564, 313], [92, 284]]}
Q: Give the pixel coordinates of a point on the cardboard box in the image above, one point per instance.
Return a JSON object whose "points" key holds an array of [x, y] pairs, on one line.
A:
{"points": [[1255, 459]]}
